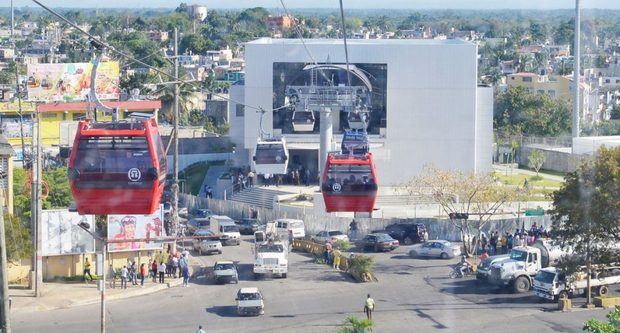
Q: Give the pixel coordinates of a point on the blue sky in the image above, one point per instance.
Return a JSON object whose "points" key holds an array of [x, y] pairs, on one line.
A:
{"points": [[364, 4]]}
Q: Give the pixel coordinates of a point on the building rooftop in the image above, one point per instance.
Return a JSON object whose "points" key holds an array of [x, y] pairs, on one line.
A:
{"points": [[321, 41]]}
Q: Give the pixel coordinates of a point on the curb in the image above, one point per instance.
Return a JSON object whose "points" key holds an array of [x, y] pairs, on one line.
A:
{"points": [[134, 292]]}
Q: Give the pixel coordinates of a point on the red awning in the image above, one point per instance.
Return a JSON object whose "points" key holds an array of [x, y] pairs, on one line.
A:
{"points": [[82, 106]]}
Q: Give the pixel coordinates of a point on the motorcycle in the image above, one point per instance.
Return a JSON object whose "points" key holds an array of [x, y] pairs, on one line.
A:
{"points": [[456, 271]]}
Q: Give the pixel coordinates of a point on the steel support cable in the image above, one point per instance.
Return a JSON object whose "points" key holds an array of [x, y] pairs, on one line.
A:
{"points": [[344, 38]]}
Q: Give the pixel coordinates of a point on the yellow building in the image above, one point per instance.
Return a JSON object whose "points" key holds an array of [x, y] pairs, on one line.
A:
{"points": [[556, 86], [58, 120]]}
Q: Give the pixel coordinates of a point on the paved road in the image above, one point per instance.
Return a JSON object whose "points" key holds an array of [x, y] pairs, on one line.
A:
{"points": [[412, 296]]}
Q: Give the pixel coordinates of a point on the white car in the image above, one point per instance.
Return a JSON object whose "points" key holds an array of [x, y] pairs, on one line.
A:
{"points": [[331, 235], [436, 249], [250, 302], [206, 245]]}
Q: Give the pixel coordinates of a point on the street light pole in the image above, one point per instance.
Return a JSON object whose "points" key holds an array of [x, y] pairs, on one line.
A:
{"points": [[104, 248], [175, 162], [5, 321]]}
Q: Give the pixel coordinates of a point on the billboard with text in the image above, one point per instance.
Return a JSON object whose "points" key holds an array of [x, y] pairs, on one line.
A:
{"points": [[62, 235]]}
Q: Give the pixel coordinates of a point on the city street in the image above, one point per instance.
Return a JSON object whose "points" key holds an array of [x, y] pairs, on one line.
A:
{"points": [[411, 295]]}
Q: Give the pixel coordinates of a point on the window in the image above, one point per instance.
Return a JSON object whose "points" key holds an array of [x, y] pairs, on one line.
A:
{"points": [[607, 81], [48, 115], [79, 116], [527, 79], [617, 81], [551, 93], [239, 110], [540, 91]]}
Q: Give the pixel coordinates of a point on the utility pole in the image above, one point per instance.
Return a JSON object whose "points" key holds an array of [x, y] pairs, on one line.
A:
{"points": [[37, 173], [104, 249], [5, 319], [12, 19], [576, 72], [175, 163]]}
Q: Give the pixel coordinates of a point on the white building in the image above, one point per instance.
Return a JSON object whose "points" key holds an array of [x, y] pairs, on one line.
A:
{"points": [[432, 113], [197, 12]]}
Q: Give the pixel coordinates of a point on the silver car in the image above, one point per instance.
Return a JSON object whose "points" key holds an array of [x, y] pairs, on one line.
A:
{"points": [[436, 249], [206, 245]]}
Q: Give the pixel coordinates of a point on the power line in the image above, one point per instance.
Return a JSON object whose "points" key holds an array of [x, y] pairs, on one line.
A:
{"points": [[125, 55], [344, 38]]}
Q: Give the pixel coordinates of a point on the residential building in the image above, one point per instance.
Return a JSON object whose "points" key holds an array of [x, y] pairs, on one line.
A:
{"points": [[279, 22], [157, 36]]}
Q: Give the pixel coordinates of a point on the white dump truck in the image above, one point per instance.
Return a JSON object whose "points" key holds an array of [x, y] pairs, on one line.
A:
{"points": [[270, 253], [552, 283], [524, 263]]}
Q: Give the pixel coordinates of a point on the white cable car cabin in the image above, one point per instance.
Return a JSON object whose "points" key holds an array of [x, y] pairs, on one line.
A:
{"points": [[358, 120], [303, 121], [270, 157]]}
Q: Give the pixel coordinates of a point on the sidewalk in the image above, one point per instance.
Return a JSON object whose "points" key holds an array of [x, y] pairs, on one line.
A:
{"points": [[65, 295]]}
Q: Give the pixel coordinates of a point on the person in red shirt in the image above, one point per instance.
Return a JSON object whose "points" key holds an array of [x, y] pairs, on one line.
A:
{"points": [[142, 274], [484, 255], [154, 269]]}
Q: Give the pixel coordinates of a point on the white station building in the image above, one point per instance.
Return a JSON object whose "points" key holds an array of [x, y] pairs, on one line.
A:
{"points": [[428, 108]]}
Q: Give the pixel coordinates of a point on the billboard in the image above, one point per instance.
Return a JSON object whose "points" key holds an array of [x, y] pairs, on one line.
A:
{"points": [[62, 235], [71, 82], [129, 226]]}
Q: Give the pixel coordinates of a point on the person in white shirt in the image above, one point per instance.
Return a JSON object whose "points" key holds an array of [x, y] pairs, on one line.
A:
{"points": [[161, 270], [124, 274], [200, 330]]}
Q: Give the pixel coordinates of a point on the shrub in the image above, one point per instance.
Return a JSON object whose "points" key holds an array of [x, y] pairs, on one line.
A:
{"points": [[362, 264], [342, 245]]}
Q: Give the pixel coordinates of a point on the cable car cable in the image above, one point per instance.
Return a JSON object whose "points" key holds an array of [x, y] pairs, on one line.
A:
{"points": [[344, 38]]}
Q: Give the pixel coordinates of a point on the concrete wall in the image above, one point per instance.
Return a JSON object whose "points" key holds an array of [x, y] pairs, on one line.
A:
{"points": [[438, 228], [554, 160], [432, 100]]}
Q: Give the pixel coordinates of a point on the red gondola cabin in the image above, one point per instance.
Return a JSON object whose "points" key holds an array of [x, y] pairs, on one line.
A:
{"points": [[349, 183], [117, 167]]}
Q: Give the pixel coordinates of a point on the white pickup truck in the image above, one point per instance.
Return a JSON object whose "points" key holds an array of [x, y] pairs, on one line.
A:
{"points": [[551, 283]]}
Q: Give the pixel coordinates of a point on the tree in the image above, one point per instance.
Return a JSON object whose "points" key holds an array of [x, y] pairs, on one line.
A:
{"points": [[587, 206], [536, 160], [611, 326], [18, 238], [195, 44], [356, 325], [458, 192]]}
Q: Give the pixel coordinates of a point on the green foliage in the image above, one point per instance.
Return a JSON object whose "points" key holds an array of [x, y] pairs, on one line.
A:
{"points": [[536, 160], [356, 325], [342, 245], [604, 128], [362, 264], [59, 195], [18, 238], [611, 326], [139, 47], [517, 111], [196, 44], [586, 207], [194, 175]]}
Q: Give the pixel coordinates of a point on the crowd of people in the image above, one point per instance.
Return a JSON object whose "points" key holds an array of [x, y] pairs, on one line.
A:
{"points": [[176, 266], [498, 243]]}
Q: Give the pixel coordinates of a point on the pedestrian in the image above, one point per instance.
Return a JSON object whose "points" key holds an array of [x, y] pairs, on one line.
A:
{"points": [[87, 270], [134, 273], [175, 266], [369, 307], [493, 243], [336, 255], [504, 242], [154, 268], [143, 272], [112, 273], [124, 273], [483, 242], [251, 176], [185, 274], [162, 272], [484, 255], [307, 177], [353, 229], [200, 330]]}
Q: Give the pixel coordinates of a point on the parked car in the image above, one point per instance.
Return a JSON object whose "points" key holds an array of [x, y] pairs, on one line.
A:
{"points": [[436, 249], [201, 213], [196, 224], [331, 235], [379, 242], [408, 233], [225, 271], [206, 245], [248, 226], [250, 302]]}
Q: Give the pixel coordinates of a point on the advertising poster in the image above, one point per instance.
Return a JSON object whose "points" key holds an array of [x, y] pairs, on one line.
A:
{"points": [[135, 226], [71, 82], [62, 235]]}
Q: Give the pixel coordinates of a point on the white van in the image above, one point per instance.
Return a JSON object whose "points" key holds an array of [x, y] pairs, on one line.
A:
{"points": [[286, 226], [226, 228]]}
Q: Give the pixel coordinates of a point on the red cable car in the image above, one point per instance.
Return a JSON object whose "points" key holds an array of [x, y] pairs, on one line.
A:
{"points": [[117, 167], [349, 183]]}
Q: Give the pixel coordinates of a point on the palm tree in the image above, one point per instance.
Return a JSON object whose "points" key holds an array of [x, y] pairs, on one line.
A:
{"points": [[356, 325], [166, 95]]}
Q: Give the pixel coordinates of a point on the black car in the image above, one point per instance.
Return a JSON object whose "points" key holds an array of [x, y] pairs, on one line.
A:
{"points": [[248, 226], [408, 233], [378, 242], [201, 213]]}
